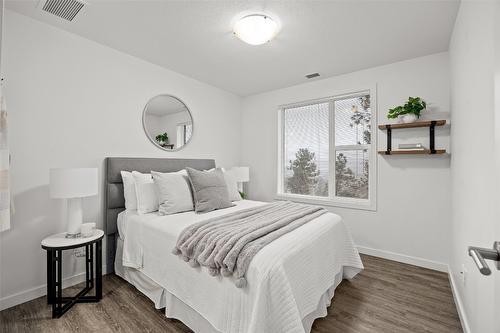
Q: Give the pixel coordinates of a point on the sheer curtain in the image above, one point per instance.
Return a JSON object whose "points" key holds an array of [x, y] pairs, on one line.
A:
{"points": [[4, 168]]}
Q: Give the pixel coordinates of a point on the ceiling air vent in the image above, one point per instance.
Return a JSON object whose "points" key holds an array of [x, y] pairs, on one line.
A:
{"points": [[66, 9], [312, 75]]}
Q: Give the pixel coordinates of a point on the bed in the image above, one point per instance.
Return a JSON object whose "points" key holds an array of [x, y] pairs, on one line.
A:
{"points": [[290, 282]]}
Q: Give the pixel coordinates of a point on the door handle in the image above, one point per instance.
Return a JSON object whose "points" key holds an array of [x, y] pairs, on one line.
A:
{"points": [[480, 255]]}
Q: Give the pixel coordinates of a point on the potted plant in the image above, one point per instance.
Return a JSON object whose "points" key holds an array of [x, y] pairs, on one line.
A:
{"points": [[409, 112], [162, 139]]}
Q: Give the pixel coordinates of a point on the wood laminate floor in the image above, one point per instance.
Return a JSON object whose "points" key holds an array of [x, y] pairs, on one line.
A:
{"points": [[386, 297]]}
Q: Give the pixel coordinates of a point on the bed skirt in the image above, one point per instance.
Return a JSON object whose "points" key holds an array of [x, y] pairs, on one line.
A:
{"points": [[177, 309]]}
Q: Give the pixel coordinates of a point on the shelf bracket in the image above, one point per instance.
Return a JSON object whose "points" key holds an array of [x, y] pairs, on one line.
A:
{"points": [[432, 137], [389, 139]]}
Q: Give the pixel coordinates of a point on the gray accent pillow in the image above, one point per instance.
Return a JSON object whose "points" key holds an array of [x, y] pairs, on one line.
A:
{"points": [[209, 190]]}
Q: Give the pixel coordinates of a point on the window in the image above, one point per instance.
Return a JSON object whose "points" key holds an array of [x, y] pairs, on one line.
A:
{"points": [[327, 153], [184, 132]]}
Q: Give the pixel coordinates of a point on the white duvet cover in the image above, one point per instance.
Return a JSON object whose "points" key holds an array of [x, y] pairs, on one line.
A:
{"points": [[287, 279]]}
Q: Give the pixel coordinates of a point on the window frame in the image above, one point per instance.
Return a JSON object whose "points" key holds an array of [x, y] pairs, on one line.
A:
{"points": [[332, 199], [184, 131]]}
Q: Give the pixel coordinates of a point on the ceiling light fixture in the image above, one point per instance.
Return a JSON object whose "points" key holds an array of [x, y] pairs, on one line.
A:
{"points": [[255, 29]]}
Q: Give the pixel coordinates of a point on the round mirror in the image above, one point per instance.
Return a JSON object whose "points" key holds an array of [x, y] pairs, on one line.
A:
{"points": [[167, 122]]}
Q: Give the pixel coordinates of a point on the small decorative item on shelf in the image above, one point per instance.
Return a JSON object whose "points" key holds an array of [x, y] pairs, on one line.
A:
{"points": [[409, 112], [162, 139], [411, 146]]}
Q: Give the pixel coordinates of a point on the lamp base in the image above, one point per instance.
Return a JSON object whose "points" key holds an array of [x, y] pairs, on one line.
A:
{"points": [[74, 218]]}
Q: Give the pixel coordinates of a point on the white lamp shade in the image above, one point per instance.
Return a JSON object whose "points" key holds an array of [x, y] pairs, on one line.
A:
{"points": [[242, 174], [73, 183]]}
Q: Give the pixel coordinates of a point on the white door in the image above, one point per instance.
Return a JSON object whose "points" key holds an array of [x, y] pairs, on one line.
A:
{"points": [[496, 319], [482, 294]]}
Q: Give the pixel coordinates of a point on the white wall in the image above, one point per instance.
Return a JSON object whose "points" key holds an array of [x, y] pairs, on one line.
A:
{"points": [[474, 186], [2, 4], [153, 125], [413, 214], [71, 103]]}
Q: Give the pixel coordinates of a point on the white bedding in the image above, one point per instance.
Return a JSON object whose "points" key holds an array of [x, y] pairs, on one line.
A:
{"points": [[287, 279]]}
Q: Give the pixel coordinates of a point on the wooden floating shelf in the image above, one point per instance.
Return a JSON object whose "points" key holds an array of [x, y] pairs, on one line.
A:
{"points": [[426, 123], [412, 152]]}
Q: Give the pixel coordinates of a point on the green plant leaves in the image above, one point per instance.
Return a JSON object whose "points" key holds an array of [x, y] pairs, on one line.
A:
{"points": [[414, 105], [162, 137]]}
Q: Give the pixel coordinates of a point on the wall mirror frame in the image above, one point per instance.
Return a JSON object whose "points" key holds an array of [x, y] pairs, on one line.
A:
{"points": [[168, 122]]}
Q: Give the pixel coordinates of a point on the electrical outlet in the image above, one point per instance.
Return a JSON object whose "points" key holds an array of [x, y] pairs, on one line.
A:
{"points": [[464, 274]]}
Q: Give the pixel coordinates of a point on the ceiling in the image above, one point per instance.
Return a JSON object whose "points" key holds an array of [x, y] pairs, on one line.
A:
{"points": [[195, 37]]}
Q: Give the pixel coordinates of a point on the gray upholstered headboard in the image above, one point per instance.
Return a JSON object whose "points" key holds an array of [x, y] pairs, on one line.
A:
{"points": [[114, 201]]}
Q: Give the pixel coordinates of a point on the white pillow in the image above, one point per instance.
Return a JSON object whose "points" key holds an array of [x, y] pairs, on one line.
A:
{"points": [[129, 190], [147, 198], [174, 192], [231, 184]]}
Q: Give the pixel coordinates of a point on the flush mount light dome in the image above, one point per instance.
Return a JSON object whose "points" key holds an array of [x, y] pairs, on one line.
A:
{"points": [[255, 29]]}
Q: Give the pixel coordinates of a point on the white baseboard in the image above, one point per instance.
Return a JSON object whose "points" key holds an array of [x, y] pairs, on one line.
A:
{"points": [[437, 266], [30, 294], [459, 304]]}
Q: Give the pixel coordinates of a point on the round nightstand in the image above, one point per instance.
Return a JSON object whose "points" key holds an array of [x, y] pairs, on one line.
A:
{"points": [[54, 245]]}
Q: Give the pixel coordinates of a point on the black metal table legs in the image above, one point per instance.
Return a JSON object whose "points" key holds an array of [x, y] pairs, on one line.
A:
{"points": [[62, 304]]}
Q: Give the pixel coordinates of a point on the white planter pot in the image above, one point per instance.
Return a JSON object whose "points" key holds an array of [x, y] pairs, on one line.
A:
{"points": [[407, 118]]}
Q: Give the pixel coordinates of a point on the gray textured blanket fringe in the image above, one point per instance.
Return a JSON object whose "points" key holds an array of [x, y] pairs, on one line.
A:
{"points": [[226, 244]]}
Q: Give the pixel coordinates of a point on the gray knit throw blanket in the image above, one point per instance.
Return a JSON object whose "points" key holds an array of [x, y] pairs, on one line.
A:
{"points": [[226, 244]]}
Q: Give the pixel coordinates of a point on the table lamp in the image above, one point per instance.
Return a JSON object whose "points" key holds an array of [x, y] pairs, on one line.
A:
{"points": [[241, 174], [73, 184]]}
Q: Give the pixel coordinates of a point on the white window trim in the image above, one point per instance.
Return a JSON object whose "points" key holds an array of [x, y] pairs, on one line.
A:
{"points": [[353, 203], [181, 139]]}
